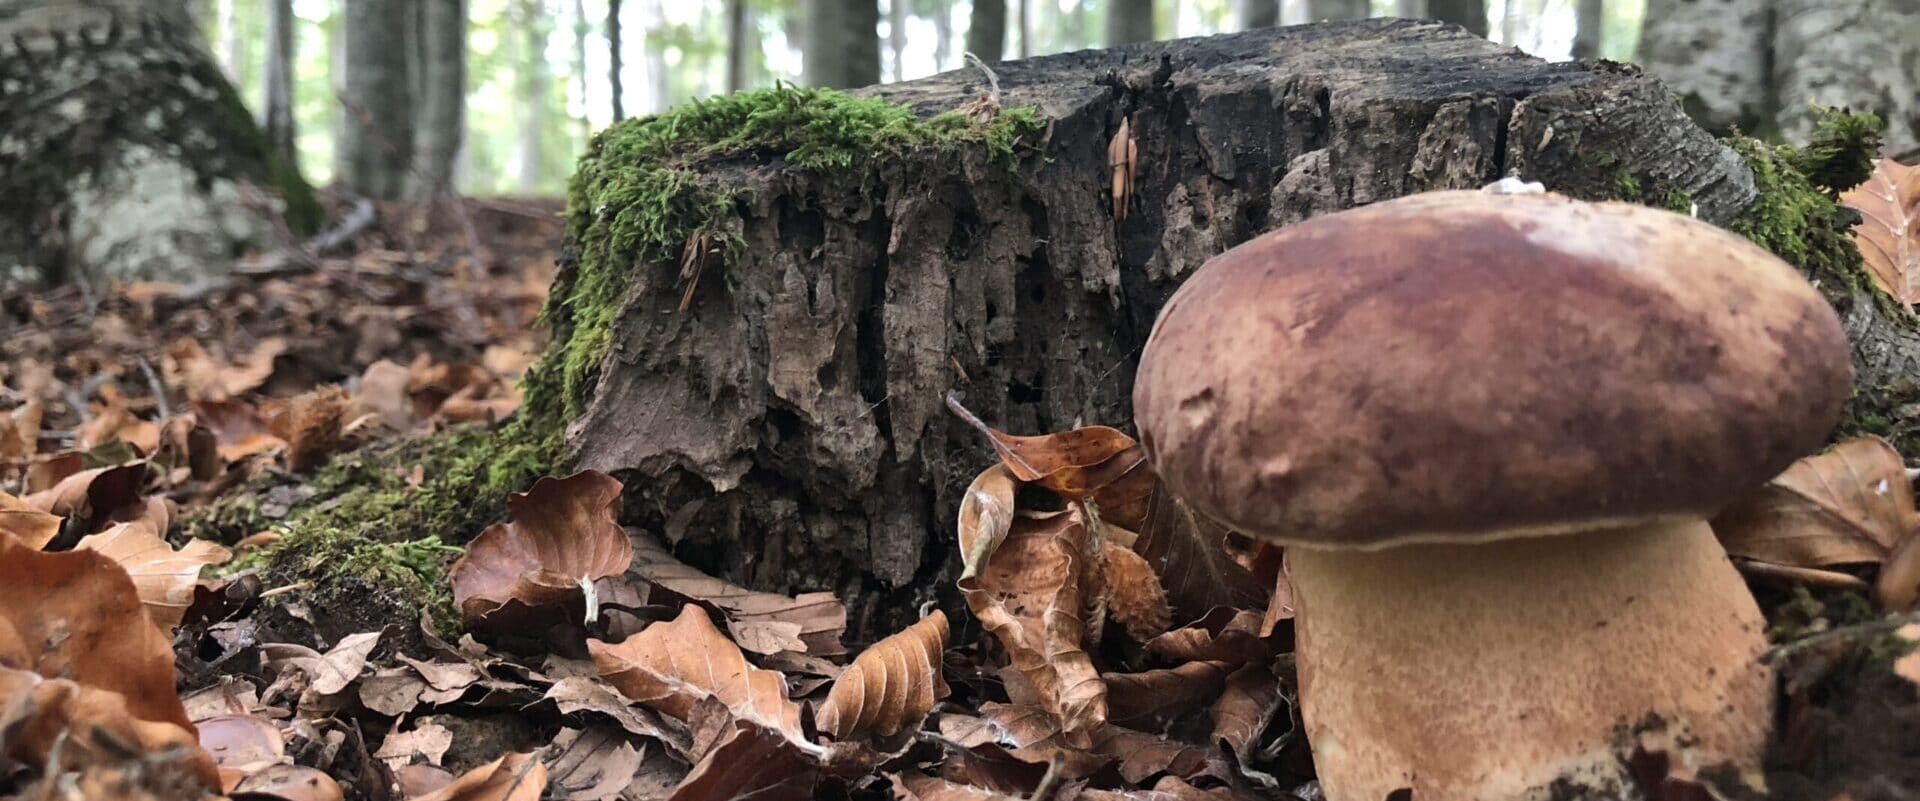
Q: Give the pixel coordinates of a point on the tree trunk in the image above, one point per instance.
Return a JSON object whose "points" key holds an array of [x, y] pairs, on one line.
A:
{"points": [[1325, 10], [1589, 27], [942, 35], [580, 30], [786, 431], [659, 88], [124, 152], [739, 39], [987, 30], [1510, 22], [1129, 21], [532, 79], [1862, 55], [842, 47], [1411, 9], [897, 37], [1026, 29], [614, 61], [443, 106], [1251, 14], [375, 142], [1469, 14], [276, 105], [1714, 55]]}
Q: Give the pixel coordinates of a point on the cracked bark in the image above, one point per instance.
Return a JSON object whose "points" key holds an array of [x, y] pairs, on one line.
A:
{"points": [[787, 431]]}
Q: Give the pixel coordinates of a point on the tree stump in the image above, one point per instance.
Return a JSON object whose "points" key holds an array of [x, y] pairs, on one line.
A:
{"points": [[786, 430]]}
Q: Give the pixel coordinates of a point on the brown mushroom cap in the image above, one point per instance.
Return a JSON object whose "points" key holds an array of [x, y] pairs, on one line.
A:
{"points": [[1461, 366]]}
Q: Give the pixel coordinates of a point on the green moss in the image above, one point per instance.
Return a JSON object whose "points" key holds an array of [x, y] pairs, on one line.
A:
{"points": [[1840, 154], [301, 210], [638, 200]]}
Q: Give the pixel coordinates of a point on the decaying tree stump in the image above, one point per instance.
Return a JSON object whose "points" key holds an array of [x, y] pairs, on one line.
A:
{"points": [[787, 429]]}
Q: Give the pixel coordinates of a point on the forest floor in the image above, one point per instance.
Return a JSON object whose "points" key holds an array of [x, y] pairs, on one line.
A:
{"points": [[563, 656]]}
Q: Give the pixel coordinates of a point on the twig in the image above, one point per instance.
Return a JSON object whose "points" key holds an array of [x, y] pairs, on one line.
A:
{"points": [[159, 391], [1048, 781], [1884, 625], [993, 80]]}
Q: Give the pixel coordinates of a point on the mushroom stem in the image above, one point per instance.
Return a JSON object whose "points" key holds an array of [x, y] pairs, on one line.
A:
{"points": [[1493, 671]]}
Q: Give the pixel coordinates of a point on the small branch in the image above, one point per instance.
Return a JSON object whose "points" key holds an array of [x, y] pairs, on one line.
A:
{"points": [[159, 391], [1857, 631], [1049, 781]]}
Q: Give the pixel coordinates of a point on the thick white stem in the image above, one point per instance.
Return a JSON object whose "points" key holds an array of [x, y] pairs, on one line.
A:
{"points": [[1489, 672]]}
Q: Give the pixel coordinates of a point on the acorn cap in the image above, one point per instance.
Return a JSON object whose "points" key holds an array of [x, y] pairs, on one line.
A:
{"points": [[1465, 366]]}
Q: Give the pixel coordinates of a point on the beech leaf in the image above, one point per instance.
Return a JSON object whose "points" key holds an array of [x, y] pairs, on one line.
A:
{"points": [[163, 577], [1164, 693], [512, 777], [66, 725], [986, 512], [820, 615], [1060, 462], [1888, 234], [892, 686], [1246, 706], [31, 527], [751, 762], [562, 537], [290, 783], [1849, 504], [1222, 635], [669, 667]]}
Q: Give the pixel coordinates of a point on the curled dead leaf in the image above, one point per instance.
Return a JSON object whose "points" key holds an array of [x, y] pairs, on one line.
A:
{"points": [[512, 777], [1222, 635], [289, 783], [1162, 694], [1029, 597], [1246, 706], [892, 686], [163, 577], [241, 745], [90, 498], [750, 762], [26, 524], [1065, 462], [562, 537], [1889, 231], [70, 726], [820, 616], [986, 512], [1849, 504], [669, 667]]}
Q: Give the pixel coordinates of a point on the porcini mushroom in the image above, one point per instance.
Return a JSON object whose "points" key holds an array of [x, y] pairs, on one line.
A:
{"points": [[1489, 429]]}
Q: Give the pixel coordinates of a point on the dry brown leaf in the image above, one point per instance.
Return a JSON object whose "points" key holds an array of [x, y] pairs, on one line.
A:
{"points": [[593, 764], [1134, 596], [164, 577], [313, 425], [1123, 160], [76, 615], [513, 777], [1162, 694], [986, 511], [820, 615], [20, 432], [29, 526], [68, 726], [752, 762], [241, 745], [1222, 635], [1029, 597], [892, 686], [1034, 737], [1183, 547], [1247, 705], [1849, 504], [1898, 586], [671, 666], [113, 419], [583, 694], [426, 742], [1889, 231], [913, 786], [1908, 665], [1072, 463], [201, 377], [562, 537], [92, 497], [382, 392], [237, 428], [290, 783], [329, 673]]}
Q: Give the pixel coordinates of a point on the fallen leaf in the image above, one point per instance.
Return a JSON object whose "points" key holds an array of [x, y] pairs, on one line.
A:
{"points": [[164, 577], [1246, 706], [1035, 737], [1898, 586], [575, 694], [1182, 546], [392, 692], [201, 377], [91, 497], [426, 741], [670, 666], [1162, 694], [892, 686], [64, 725], [1028, 596], [289, 783], [418, 780], [914, 786], [1888, 234], [1134, 596], [27, 525], [382, 392], [1060, 462], [562, 537], [1849, 504], [20, 432], [820, 615], [237, 429], [512, 777], [113, 420], [76, 615], [1222, 635], [592, 765], [1123, 160], [986, 512], [328, 673], [241, 745], [753, 762]]}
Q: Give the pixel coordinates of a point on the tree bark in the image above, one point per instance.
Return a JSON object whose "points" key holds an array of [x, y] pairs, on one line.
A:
{"points": [[842, 46], [1251, 14], [1411, 9], [532, 78], [443, 106], [1714, 54], [124, 152], [276, 104], [1862, 55], [1325, 10], [580, 30], [375, 143], [787, 431], [1469, 14], [1129, 21], [739, 39], [614, 62], [987, 30], [1590, 26]]}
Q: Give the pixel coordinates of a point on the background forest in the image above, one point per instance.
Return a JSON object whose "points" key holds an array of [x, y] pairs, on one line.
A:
{"points": [[542, 75]]}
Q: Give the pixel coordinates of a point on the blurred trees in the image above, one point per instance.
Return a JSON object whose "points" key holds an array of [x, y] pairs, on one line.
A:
{"points": [[376, 132]]}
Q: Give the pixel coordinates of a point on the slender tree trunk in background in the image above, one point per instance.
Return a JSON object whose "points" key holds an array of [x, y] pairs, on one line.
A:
{"points": [[1026, 30], [613, 59], [443, 101], [375, 140], [841, 46], [942, 34], [1714, 55], [1073, 27], [1863, 55], [276, 105], [897, 37], [987, 30], [1469, 14], [1250, 14], [125, 153], [233, 49], [533, 79], [659, 87], [1318, 10], [1410, 9], [1509, 22], [1589, 27], [739, 39], [1129, 21], [580, 30]]}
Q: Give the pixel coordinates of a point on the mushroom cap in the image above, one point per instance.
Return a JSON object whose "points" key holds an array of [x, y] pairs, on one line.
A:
{"points": [[1465, 366]]}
